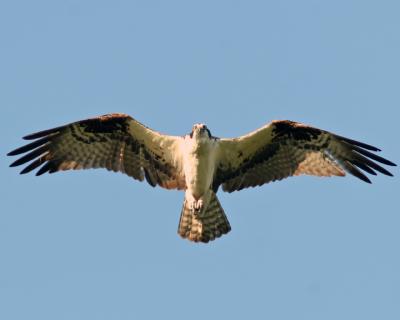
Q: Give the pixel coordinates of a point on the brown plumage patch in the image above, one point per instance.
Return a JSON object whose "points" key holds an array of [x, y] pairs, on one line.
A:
{"points": [[294, 130]]}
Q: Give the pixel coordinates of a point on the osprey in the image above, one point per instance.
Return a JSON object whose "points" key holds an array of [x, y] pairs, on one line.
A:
{"points": [[198, 163]]}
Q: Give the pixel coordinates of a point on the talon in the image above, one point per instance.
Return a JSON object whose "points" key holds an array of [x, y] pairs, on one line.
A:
{"points": [[196, 206], [199, 204], [191, 207]]}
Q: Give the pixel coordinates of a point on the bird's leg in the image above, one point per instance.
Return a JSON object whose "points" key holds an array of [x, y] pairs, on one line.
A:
{"points": [[198, 205], [195, 205]]}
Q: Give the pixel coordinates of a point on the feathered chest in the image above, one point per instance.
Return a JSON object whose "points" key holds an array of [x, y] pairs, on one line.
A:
{"points": [[199, 163], [197, 153]]}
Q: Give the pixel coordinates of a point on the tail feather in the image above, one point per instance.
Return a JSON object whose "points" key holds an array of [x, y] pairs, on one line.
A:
{"points": [[206, 225]]}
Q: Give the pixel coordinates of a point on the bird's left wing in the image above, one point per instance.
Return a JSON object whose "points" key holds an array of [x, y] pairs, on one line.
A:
{"points": [[116, 142], [285, 148]]}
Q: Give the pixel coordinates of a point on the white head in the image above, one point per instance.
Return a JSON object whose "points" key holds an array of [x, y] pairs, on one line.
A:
{"points": [[199, 131]]}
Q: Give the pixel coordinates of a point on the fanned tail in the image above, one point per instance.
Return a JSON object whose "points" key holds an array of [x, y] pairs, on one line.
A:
{"points": [[206, 225]]}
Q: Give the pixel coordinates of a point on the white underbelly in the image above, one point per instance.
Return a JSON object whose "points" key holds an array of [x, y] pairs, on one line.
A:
{"points": [[199, 172], [199, 179], [199, 165]]}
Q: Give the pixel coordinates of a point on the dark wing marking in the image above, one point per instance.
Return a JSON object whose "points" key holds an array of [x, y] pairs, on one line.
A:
{"points": [[116, 142], [285, 148]]}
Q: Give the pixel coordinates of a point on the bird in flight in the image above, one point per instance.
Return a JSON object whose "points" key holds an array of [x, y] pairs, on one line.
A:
{"points": [[198, 163]]}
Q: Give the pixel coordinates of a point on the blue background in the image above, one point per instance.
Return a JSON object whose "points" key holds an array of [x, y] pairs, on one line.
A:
{"points": [[96, 245]]}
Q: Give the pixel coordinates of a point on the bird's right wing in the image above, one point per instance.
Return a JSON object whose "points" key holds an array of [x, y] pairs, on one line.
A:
{"points": [[116, 142]]}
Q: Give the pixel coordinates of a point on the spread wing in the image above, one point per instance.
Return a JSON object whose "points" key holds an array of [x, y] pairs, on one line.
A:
{"points": [[116, 142], [285, 148]]}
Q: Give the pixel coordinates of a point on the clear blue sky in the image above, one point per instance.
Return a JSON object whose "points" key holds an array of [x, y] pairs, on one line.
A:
{"points": [[96, 245]]}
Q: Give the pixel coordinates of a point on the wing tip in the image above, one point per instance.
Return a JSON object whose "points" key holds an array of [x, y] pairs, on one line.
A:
{"points": [[358, 143], [390, 163], [43, 133], [32, 136], [25, 170], [362, 177], [14, 164]]}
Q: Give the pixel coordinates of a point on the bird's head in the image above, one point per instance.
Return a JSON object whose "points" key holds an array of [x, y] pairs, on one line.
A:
{"points": [[199, 131]]}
